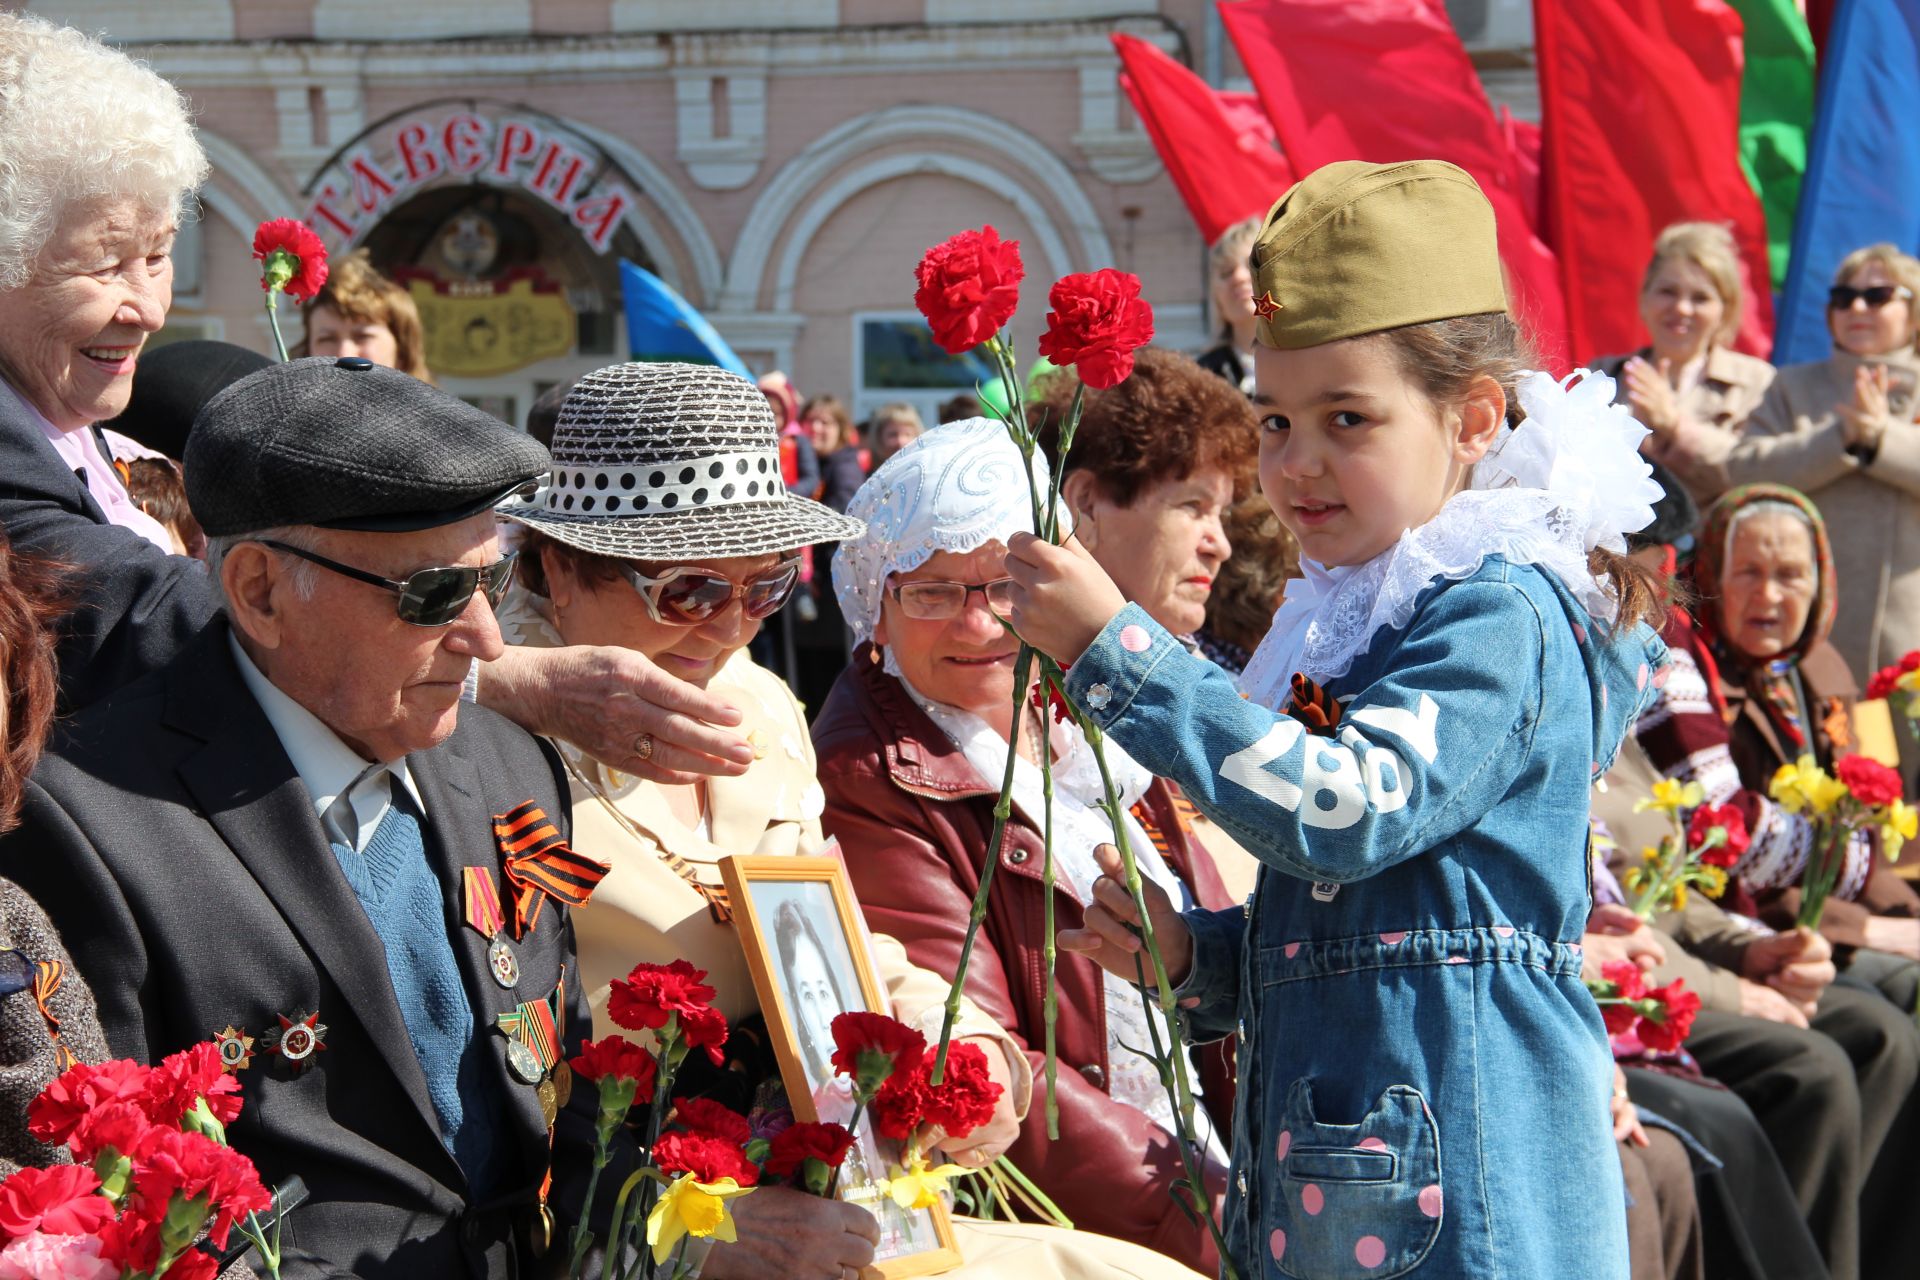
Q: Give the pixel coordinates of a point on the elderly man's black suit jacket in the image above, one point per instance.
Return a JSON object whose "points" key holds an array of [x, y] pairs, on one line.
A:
{"points": [[179, 854], [137, 605]]}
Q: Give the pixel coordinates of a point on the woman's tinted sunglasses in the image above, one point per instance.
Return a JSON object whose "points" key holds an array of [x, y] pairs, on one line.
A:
{"points": [[684, 596]]}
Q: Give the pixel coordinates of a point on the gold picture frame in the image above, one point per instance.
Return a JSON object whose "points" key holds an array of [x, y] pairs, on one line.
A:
{"points": [[802, 905]]}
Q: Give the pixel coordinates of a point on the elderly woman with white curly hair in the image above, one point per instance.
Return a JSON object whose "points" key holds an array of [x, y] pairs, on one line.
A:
{"points": [[100, 161]]}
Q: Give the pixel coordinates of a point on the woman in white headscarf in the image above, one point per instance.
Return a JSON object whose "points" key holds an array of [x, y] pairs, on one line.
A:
{"points": [[912, 744]]}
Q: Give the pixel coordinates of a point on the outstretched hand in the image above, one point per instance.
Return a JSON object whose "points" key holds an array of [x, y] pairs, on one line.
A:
{"points": [[1061, 596], [1109, 934]]}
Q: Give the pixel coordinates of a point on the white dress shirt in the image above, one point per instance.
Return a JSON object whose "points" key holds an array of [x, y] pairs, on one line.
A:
{"points": [[331, 770]]}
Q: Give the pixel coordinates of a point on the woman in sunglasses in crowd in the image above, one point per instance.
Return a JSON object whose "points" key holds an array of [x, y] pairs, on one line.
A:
{"points": [[1841, 431], [913, 744], [665, 528]]}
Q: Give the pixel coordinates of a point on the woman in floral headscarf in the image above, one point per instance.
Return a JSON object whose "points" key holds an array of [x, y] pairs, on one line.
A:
{"points": [[1755, 685]]}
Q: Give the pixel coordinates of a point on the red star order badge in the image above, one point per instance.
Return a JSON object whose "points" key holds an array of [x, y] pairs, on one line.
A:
{"points": [[298, 1038], [1267, 307]]}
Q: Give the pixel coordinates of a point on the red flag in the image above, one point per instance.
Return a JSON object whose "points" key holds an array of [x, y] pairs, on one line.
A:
{"points": [[1641, 105], [1387, 80], [1222, 162]]}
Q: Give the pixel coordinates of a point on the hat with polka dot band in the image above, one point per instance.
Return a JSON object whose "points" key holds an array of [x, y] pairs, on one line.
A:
{"points": [[664, 461]]}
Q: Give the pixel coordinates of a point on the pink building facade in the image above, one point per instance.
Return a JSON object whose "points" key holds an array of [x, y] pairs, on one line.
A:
{"points": [[780, 163]]}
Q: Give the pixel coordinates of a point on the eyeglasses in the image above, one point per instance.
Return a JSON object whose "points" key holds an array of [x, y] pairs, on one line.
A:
{"points": [[938, 601], [684, 596], [1842, 296], [428, 597]]}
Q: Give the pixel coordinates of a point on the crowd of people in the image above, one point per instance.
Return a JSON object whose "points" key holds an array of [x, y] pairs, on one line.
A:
{"points": [[1380, 684]]}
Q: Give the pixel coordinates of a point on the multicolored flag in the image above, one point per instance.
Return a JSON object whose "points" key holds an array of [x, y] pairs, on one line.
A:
{"points": [[1863, 163], [1776, 113]]}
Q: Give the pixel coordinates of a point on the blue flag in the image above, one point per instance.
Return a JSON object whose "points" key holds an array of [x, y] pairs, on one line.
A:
{"points": [[1863, 170], [661, 326]]}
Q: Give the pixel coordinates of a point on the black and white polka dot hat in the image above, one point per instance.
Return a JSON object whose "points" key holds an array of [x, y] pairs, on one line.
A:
{"points": [[663, 461]]}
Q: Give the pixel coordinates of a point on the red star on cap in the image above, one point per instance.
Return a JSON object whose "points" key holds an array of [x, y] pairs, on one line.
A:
{"points": [[1266, 308]]}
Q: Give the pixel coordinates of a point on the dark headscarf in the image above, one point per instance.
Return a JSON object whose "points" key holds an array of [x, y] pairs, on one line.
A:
{"points": [[1769, 682]]}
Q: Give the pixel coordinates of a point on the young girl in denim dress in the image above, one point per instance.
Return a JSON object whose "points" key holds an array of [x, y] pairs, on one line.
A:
{"points": [[1424, 1079]]}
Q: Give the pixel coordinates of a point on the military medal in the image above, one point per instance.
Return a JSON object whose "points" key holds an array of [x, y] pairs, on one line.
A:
{"points": [[562, 1077], [298, 1039], [523, 1063], [502, 963], [236, 1049], [549, 1094]]}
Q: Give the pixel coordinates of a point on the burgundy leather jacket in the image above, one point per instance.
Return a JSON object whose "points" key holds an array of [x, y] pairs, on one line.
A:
{"points": [[913, 818]]}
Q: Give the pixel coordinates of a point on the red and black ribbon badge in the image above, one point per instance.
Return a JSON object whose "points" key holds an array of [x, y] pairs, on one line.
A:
{"points": [[539, 865], [1314, 707]]}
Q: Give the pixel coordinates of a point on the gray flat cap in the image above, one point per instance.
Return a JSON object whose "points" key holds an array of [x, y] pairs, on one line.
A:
{"points": [[348, 444]]}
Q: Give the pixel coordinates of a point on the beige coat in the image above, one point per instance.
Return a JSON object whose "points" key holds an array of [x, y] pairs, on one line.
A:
{"points": [[1872, 511], [1716, 408]]}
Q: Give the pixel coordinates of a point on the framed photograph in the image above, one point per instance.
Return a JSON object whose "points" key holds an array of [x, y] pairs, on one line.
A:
{"points": [[807, 949]]}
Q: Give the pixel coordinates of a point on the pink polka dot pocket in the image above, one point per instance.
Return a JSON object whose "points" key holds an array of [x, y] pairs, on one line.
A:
{"points": [[1358, 1201]]}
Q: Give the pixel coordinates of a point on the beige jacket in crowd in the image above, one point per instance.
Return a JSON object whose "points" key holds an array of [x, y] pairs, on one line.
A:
{"points": [[1872, 511], [1715, 409]]}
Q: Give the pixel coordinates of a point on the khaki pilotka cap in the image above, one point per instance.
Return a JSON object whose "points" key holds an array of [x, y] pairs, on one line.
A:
{"points": [[1355, 248]]}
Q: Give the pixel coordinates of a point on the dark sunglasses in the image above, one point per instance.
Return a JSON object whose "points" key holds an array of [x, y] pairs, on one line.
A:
{"points": [[938, 601], [428, 597], [1842, 296], [683, 596]]}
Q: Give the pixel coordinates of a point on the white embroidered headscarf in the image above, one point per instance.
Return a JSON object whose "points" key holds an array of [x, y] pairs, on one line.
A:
{"points": [[1568, 479], [956, 488]]}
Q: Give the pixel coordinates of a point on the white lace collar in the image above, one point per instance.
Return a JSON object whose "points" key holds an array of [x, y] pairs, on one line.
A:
{"points": [[1568, 479]]}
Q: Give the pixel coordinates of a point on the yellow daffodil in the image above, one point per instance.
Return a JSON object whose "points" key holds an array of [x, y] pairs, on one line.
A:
{"points": [[1902, 824], [1670, 797], [1909, 682], [1713, 881], [1804, 787], [692, 1208], [1679, 897], [917, 1186], [1648, 853]]}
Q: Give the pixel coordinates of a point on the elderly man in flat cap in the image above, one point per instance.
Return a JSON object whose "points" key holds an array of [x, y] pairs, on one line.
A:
{"points": [[297, 840]]}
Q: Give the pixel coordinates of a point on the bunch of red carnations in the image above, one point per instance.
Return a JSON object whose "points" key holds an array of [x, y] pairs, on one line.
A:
{"points": [[1899, 684], [152, 1176], [1658, 1017], [698, 1155]]}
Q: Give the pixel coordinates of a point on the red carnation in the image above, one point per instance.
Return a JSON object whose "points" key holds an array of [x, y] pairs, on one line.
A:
{"points": [[799, 1143], [64, 1200], [302, 269], [1729, 819], [870, 1047], [706, 1157], [1872, 783], [969, 287], [194, 1167], [967, 1094], [1673, 1020], [704, 1115], [618, 1058], [53, 1116], [1882, 683], [1910, 661], [1628, 985], [1096, 322], [652, 993], [901, 1104], [706, 1029], [193, 1265], [120, 1125], [184, 1077], [133, 1242]]}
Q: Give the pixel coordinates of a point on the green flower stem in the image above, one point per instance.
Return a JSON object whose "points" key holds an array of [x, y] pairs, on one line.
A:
{"points": [[1050, 1002], [1829, 851], [1022, 1187], [273, 322], [1002, 808], [619, 1220], [853, 1127]]}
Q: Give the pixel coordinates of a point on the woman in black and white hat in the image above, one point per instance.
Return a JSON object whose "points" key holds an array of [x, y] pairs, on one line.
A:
{"points": [[665, 527]]}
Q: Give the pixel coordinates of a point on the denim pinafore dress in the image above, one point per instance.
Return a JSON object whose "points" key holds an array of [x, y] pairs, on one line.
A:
{"points": [[1424, 1079]]}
